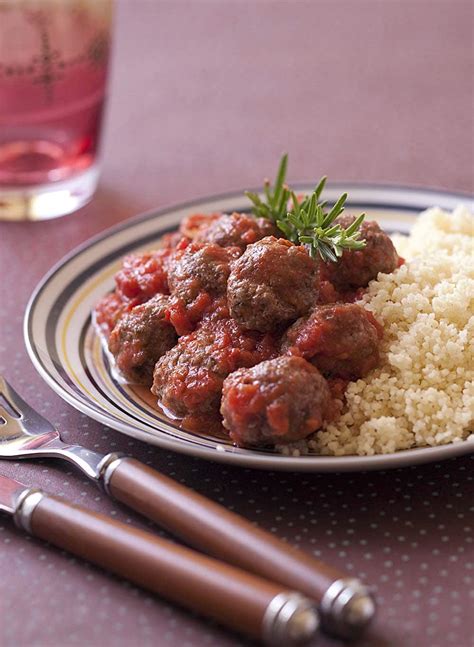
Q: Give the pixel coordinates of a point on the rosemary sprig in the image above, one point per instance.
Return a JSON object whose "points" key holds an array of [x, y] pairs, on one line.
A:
{"points": [[308, 224], [276, 198]]}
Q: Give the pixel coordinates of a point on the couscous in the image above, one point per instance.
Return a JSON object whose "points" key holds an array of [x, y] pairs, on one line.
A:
{"points": [[422, 392]]}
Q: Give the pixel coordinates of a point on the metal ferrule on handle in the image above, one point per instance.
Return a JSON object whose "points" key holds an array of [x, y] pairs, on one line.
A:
{"points": [[347, 608], [25, 506], [107, 467], [290, 619]]}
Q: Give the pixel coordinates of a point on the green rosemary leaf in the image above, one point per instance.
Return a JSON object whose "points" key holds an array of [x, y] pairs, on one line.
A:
{"points": [[336, 210], [276, 197], [355, 225], [319, 233], [307, 222], [354, 244], [335, 229], [294, 220], [319, 217], [281, 175], [285, 227], [296, 202], [259, 208], [326, 252], [268, 195], [319, 188], [282, 205]]}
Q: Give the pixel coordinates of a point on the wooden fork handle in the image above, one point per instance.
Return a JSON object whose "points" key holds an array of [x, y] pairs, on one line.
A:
{"points": [[236, 599]]}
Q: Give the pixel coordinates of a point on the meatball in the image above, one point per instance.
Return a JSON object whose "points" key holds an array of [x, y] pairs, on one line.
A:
{"points": [[200, 267], [356, 268], [237, 229], [188, 378], [274, 282], [143, 275], [278, 401], [341, 339], [197, 276], [140, 338]]}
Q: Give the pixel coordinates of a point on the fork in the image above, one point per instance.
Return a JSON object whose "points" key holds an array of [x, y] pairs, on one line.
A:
{"points": [[345, 604]]}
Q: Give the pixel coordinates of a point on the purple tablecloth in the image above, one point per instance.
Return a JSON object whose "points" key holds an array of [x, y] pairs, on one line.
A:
{"points": [[204, 97]]}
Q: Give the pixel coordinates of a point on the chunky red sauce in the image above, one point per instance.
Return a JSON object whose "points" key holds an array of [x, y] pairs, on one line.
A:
{"points": [[184, 317], [142, 276], [189, 377], [109, 310], [201, 361]]}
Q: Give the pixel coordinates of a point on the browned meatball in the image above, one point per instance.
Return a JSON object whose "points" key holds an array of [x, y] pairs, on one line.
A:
{"points": [[341, 339], [200, 267], [274, 282], [237, 229], [140, 338], [356, 268], [278, 401], [197, 276], [188, 378]]}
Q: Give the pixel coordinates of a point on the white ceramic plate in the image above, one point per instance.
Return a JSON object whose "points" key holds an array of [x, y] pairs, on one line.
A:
{"points": [[67, 352]]}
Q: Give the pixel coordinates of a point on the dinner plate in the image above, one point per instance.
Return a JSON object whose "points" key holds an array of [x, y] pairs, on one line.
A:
{"points": [[68, 354]]}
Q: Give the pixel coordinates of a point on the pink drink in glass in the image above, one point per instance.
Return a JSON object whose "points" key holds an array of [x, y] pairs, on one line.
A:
{"points": [[53, 69]]}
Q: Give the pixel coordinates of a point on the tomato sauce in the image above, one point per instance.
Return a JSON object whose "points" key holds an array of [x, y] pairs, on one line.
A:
{"points": [[189, 377], [142, 276]]}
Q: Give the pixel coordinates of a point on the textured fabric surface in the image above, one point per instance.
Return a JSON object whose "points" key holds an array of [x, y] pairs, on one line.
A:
{"points": [[204, 97]]}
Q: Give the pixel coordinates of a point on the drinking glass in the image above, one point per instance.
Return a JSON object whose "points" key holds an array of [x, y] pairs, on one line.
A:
{"points": [[53, 70]]}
